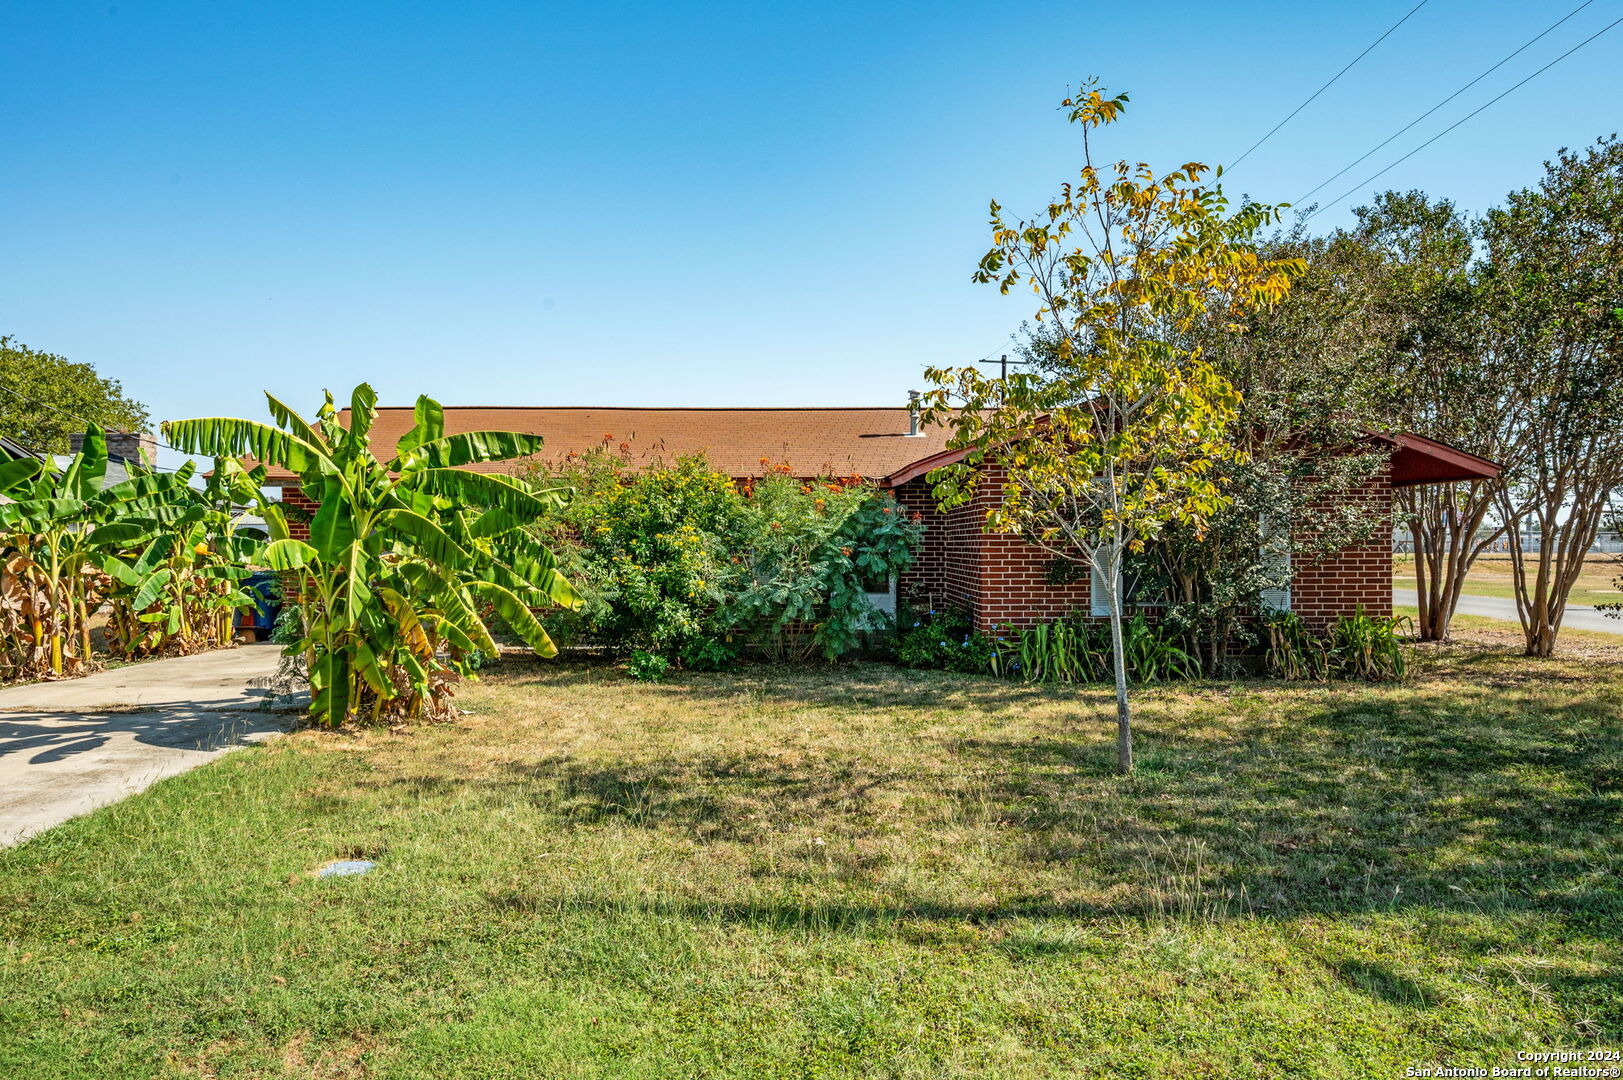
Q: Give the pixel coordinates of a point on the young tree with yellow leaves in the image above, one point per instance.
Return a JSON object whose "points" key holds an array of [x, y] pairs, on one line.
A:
{"points": [[1113, 434]]}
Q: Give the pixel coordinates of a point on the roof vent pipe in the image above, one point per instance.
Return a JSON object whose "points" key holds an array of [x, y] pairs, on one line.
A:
{"points": [[913, 413]]}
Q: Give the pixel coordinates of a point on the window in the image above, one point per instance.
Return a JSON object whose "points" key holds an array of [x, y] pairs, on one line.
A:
{"points": [[1099, 600], [1142, 584], [882, 594], [1276, 561]]}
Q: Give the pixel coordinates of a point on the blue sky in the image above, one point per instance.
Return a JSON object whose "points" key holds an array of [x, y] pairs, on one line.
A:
{"points": [[663, 203]]}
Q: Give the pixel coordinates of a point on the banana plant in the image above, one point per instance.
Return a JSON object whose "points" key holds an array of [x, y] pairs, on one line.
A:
{"points": [[54, 528], [177, 590], [406, 557]]}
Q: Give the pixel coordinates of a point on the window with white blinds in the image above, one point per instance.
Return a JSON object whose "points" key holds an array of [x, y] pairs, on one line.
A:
{"points": [[1276, 560], [1099, 599]]}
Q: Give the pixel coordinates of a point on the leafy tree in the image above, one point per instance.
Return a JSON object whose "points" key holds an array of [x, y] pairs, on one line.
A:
{"points": [[406, 557], [1119, 435], [1414, 258], [1554, 278], [1303, 376], [176, 585], [45, 398]]}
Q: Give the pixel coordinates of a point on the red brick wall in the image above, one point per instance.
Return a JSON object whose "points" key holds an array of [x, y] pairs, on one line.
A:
{"points": [[297, 527], [923, 586], [1001, 580], [1356, 576]]}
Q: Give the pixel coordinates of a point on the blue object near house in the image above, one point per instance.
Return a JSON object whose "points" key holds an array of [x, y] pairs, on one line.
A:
{"points": [[260, 617]]}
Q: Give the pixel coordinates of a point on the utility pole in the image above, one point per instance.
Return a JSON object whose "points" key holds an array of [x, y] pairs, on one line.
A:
{"points": [[1003, 363]]}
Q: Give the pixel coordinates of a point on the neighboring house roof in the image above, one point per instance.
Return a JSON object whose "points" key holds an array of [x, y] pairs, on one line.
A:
{"points": [[118, 470], [12, 450], [1415, 460], [871, 442]]}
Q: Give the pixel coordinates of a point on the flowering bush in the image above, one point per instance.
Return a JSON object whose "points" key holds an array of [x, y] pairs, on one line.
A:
{"points": [[816, 550], [682, 562]]}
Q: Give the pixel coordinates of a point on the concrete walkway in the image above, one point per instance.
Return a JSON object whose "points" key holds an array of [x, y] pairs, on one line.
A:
{"points": [[1577, 617], [69, 747]]}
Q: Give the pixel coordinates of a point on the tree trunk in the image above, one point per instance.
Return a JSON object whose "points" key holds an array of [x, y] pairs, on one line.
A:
{"points": [[1124, 715], [1564, 543], [1444, 523]]}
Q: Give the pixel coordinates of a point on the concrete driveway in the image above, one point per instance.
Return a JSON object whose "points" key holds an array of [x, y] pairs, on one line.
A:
{"points": [[1577, 617], [69, 747]]}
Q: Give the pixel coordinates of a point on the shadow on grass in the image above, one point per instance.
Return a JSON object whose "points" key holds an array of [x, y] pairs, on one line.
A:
{"points": [[1489, 795], [1453, 795]]}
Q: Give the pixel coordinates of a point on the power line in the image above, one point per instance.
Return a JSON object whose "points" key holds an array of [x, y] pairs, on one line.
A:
{"points": [[996, 349], [1329, 84], [1357, 187], [1373, 150]]}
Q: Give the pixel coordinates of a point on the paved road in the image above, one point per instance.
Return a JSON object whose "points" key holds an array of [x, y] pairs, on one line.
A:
{"points": [[69, 747], [1578, 617]]}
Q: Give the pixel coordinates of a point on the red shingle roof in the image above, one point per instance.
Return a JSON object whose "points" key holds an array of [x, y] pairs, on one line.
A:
{"points": [[871, 442]]}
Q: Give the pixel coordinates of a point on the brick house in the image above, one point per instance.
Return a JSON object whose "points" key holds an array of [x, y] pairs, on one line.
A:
{"points": [[998, 578]]}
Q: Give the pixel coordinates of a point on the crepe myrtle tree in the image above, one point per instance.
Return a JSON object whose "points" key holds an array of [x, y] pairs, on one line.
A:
{"points": [[406, 557], [1553, 273], [1117, 437]]}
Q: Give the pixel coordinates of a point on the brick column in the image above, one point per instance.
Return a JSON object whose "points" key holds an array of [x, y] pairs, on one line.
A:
{"points": [[295, 497]]}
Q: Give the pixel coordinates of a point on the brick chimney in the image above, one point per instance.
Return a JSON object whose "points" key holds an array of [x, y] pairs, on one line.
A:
{"points": [[140, 447]]}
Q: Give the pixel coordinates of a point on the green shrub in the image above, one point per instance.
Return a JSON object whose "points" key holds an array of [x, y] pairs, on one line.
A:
{"points": [[1077, 650], [815, 549], [1368, 647], [944, 641], [1357, 646], [708, 655], [1064, 651], [289, 624], [1154, 653], [676, 559], [1294, 651], [645, 666], [652, 551]]}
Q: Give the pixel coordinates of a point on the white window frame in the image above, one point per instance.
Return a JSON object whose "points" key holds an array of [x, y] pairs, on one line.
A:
{"points": [[885, 601]]}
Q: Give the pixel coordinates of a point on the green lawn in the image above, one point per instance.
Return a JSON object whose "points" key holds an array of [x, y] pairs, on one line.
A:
{"points": [[1491, 575], [852, 871]]}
